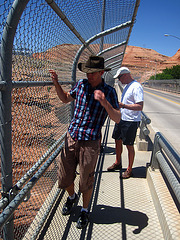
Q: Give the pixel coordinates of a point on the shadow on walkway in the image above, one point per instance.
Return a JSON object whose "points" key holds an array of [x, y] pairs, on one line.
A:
{"points": [[103, 214]]}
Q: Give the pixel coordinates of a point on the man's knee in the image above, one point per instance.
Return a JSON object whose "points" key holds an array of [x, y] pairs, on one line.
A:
{"points": [[130, 148]]}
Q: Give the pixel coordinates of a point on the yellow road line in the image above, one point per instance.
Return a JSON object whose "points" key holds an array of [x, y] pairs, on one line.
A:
{"points": [[162, 97]]}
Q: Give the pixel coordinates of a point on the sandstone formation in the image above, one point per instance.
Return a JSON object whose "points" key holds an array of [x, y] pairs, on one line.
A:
{"points": [[145, 62]]}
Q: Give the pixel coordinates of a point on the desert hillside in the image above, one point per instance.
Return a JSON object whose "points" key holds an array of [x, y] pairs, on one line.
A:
{"points": [[145, 62]]}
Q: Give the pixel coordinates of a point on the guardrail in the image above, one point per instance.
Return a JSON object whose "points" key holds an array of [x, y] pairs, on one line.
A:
{"points": [[172, 85], [166, 158]]}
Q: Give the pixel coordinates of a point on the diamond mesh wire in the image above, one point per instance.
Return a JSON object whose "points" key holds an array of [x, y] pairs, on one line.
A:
{"points": [[39, 118]]}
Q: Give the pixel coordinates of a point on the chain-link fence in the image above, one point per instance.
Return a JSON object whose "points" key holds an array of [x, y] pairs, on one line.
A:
{"points": [[36, 36]]}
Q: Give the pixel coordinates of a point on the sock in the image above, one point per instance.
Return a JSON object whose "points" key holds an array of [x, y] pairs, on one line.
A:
{"points": [[84, 209], [72, 197]]}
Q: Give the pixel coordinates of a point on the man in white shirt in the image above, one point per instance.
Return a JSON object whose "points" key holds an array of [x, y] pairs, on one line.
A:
{"points": [[125, 131]]}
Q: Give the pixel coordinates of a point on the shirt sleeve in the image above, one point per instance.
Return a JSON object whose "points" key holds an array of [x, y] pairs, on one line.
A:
{"points": [[73, 91], [114, 99], [138, 94]]}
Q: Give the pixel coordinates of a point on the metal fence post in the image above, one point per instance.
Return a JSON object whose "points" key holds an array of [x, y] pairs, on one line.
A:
{"points": [[5, 105], [102, 25]]}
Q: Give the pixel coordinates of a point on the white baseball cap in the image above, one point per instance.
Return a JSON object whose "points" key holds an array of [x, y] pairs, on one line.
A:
{"points": [[121, 71]]}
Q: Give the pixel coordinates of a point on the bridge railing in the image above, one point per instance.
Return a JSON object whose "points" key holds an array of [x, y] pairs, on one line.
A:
{"points": [[172, 85], [166, 158], [144, 131]]}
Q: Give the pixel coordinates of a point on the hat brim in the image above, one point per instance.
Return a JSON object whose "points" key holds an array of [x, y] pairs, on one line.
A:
{"points": [[121, 72], [82, 67], [115, 76]]}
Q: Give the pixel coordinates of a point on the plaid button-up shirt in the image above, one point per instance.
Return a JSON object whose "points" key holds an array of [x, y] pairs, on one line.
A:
{"points": [[89, 115]]}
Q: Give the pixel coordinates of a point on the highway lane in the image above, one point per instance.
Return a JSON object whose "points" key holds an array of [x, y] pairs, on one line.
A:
{"points": [[163, 109]]}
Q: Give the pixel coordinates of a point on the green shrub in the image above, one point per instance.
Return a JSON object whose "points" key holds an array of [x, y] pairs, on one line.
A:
{"points": [[168, 73]]}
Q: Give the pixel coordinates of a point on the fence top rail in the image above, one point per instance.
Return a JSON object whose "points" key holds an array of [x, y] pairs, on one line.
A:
{"points": [[23, 84]]}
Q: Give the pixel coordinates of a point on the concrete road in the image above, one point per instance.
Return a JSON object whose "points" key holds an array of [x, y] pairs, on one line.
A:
{"points": [[163, 109]]}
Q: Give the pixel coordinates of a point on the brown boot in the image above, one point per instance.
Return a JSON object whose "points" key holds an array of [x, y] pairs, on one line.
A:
{"points": [[114, 167]]}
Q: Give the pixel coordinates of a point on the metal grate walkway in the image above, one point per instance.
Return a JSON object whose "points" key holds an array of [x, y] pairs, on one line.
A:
{"points": [[120, 209]]}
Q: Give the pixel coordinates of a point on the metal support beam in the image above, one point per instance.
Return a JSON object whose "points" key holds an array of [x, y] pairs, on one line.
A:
{"points": [[22, 84], [133, 18], [58, 11], [102, 25], [111, 48], [115, 56], [114, 63]]}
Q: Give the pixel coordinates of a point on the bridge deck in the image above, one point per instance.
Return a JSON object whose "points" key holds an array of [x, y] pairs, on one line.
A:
{"points": [[120, 209]]}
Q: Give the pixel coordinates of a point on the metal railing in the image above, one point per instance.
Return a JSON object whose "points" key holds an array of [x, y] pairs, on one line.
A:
{"points": [[144, 131], [165, 85], [166, 158]]}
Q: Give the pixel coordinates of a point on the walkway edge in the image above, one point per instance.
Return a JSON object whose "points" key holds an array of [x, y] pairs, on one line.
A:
{"points": [[166, 209]]}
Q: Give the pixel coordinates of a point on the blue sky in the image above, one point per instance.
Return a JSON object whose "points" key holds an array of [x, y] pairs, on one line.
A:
{"points": [[154, 19]]}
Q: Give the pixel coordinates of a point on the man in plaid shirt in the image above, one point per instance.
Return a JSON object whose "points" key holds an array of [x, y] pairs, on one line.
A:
{"points": [[94, 101]]}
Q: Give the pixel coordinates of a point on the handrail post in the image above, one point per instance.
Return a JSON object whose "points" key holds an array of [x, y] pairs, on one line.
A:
{"points": [[144, 131]]}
